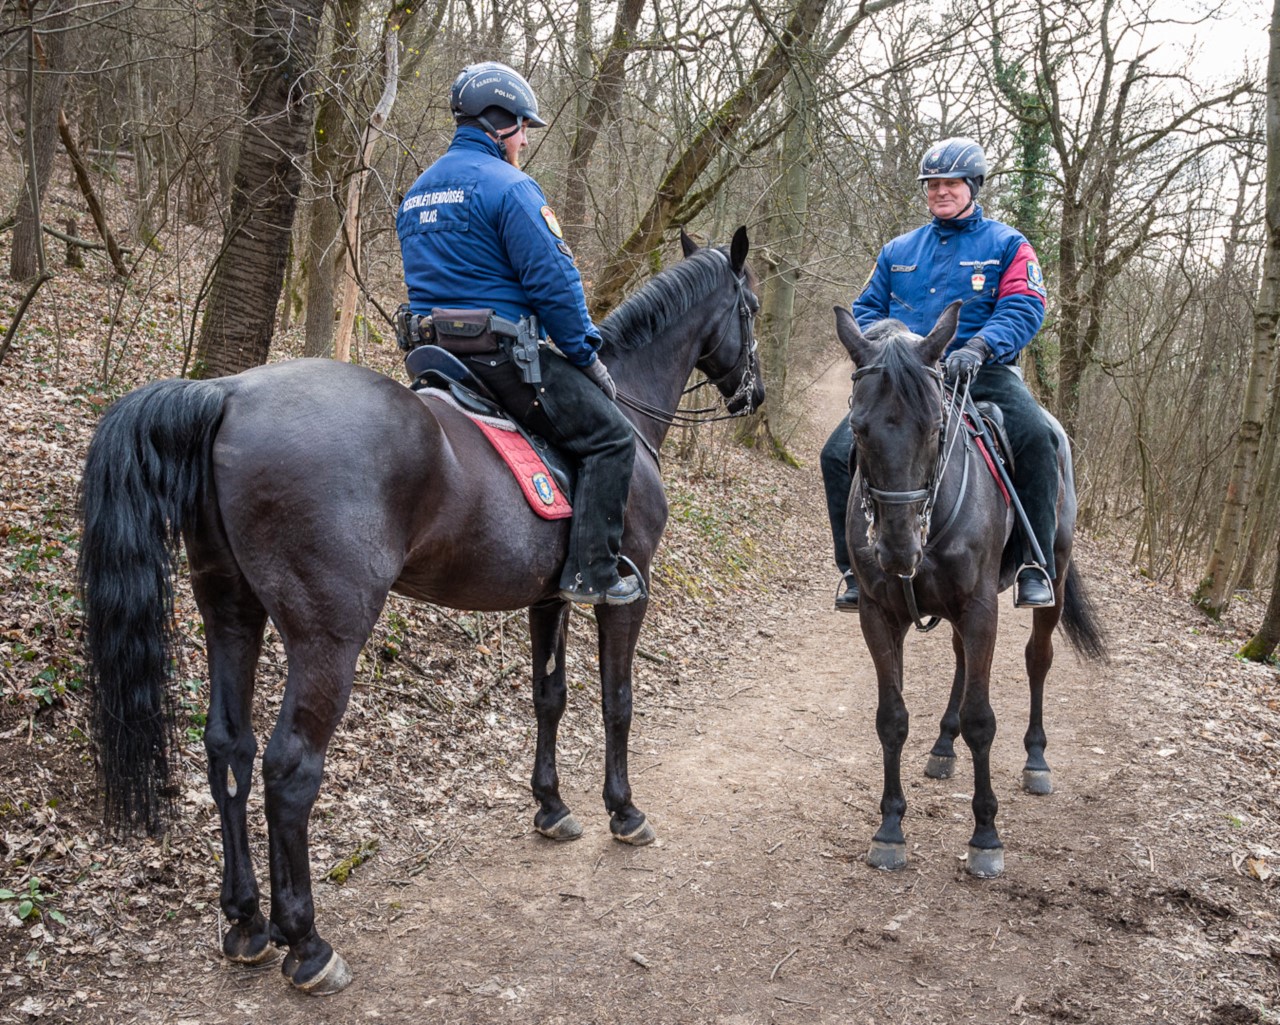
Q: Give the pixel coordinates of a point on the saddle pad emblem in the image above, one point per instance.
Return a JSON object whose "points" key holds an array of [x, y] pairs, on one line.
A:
{"points": [[542, 485]]}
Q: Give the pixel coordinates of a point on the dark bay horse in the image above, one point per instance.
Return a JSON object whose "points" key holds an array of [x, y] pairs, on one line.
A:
{"points": [[928, 529], [306, 492]]}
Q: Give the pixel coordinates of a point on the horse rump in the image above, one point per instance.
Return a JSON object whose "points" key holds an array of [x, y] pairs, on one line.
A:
{"points": [[144, 479]]}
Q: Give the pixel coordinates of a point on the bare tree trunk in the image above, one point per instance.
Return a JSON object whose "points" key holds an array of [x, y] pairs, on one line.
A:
{"points": [[45, 46], [349, 265], [90, 196], [604, 96], [788, 228], [330, 164], [239, 320], [1223, 570], [1263, 644]]}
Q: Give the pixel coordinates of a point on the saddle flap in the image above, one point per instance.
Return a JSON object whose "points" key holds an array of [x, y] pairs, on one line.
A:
{"points": [[994, 418]]}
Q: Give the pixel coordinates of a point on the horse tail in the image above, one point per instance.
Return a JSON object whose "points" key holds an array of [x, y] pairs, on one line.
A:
{"points": [[1080, 618], [144, 480]]}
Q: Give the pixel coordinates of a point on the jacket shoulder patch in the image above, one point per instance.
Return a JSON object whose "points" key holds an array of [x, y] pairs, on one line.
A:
{"points": [[553, 224]]}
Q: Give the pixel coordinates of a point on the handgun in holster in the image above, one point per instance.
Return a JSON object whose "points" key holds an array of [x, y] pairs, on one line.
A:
{"points": [[524, 350], [408, 329]]}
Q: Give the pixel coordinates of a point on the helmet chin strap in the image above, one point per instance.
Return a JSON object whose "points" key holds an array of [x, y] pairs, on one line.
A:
{"points": [[502, 136]]}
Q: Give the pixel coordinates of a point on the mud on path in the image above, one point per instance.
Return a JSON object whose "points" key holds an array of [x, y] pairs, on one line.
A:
{"points": [[1138, 891]]}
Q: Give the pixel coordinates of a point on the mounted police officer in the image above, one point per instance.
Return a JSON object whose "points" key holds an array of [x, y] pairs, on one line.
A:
{"points": [[961, 254], [476, 234]]}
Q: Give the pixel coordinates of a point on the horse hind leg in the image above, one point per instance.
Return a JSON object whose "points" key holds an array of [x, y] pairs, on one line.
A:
{"points": [[548, 624], [234, 620], [942, 759], [321, 673], [1036, 777]]}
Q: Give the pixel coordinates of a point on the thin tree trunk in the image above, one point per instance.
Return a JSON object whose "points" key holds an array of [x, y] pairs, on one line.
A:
{"points": [[349, 265], [787, 233], [1222, 572], [90, 196], [45, 47], [604, 96], [1263, 644]]}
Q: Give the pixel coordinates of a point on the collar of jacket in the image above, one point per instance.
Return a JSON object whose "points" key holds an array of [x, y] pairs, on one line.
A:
{"points": [[473, 138], [948, 228]]}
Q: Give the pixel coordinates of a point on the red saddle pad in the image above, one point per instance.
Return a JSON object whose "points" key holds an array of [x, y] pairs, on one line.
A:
{"points": [[540, 488]]}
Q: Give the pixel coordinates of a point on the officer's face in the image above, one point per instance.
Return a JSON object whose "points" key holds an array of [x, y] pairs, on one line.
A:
{"points": [[513, 144], [946, 197]]}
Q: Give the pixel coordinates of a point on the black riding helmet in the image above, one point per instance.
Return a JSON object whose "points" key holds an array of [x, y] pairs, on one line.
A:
{"points": [[480, 88], [957, 157]]}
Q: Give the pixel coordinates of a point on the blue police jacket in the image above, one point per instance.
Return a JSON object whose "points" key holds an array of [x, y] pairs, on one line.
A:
{"points": [[988, 265], [476, 232]]}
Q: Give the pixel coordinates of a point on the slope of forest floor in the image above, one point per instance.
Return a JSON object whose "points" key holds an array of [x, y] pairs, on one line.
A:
{"points": [[1144, 890]]}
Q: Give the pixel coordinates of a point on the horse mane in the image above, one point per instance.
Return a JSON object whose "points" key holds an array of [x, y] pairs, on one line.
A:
{"points": [[900, 363], [663, 300]]}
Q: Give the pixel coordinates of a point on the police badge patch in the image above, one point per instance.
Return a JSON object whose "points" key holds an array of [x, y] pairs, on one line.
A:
{"points": [[1035, 279], [543, 487], [549, 216]]}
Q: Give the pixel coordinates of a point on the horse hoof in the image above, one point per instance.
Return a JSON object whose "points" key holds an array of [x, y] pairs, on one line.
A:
{"points": [[334, 977], [567, 828], [256, 950], [1037, 781], [640, 836], [889, 857], [940, 767], [985, 863]]}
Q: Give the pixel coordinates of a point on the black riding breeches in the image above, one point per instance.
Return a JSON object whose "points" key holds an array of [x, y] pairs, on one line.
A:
{"points": [[1035, 452], [837, 478], [572, 413]]}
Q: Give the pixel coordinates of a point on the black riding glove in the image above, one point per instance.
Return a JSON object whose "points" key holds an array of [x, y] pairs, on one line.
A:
{"points": [[964, 362], [599, 373]]}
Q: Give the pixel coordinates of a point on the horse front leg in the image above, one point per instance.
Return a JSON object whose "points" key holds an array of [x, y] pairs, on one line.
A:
{"points": [[618, 631], [978, 727], [1036, 778], [316, 693], [884, 642], [234, 620], [942, 759], [548, 625]]}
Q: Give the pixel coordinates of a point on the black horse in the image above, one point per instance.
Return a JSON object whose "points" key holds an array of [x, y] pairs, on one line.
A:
{"points": [[305, 492], [928, 530]]}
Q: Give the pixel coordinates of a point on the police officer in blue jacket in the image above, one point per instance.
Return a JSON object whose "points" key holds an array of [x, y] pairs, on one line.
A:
{"points": [[476, 233], [960, 254]]}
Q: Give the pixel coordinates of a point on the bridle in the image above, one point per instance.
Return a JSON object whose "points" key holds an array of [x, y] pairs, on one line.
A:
{"points": [[747, 355], [950, 402]]}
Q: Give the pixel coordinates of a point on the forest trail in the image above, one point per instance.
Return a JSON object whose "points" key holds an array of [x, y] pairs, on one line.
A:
{"points": [[755, 905]]}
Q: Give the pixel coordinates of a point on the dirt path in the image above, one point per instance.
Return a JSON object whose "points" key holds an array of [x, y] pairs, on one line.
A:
{"points": [[1119, 903]]}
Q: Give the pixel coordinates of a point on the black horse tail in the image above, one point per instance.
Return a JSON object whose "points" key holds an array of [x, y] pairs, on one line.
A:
{"points": [[1080, 618], [144, 480]]}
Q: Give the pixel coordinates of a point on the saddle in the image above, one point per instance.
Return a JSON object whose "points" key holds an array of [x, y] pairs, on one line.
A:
{"points": [[994, 419], [544, 473]]}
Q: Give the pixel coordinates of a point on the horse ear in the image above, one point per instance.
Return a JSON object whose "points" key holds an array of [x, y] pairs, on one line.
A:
{"points": [[853, 340], [687, 245], [738, 250], [936, 341]]}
